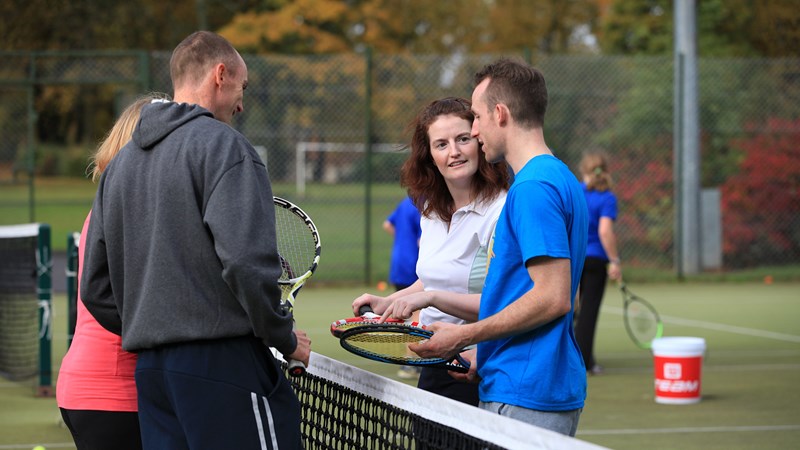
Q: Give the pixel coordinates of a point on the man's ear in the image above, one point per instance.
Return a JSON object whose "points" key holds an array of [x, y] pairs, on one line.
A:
{"points": [[502, 113], [220, 72]]}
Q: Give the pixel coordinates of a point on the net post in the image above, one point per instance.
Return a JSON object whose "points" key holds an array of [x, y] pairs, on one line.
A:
{"points": [[44, 283], [73, 240]]}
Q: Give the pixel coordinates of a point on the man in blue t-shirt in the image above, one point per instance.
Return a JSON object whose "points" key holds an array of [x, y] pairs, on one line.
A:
{"points": [[404, 224], [528, 362]]}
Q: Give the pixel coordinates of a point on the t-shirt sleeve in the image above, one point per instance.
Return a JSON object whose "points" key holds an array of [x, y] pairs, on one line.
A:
{"points": [[538, 220], [609, 208]]}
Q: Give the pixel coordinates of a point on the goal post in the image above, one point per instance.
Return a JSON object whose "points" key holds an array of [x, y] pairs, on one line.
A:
{"points": [[303, 147]]}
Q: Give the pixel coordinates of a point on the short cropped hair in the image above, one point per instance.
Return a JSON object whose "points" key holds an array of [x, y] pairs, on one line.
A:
{"points": [[194, 56], [517, 85]]}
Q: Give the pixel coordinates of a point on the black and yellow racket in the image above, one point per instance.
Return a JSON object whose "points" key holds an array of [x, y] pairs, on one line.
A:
{"points": [[299, 249]]}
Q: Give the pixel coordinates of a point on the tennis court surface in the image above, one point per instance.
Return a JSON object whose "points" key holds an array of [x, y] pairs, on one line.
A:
{"points": [[749, 379]]}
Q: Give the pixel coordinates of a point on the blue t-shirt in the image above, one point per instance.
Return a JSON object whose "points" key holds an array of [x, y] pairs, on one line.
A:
{"points": [[405, 249], [545, 215], [600, 204]]}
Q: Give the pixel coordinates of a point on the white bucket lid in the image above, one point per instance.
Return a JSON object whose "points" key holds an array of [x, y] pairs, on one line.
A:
{"points": [[679, 346]]}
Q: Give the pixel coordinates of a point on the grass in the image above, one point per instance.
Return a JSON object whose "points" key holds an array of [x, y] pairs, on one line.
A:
{"points": [[749, 375], [339, 213]]}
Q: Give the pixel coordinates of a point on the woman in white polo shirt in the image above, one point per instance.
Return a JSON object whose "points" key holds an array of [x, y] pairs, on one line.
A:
{"points": [[460, 196]]}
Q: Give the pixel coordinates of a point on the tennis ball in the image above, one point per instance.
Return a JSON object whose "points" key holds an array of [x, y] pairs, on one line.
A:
{"points": [[382, 285], [39, 447]]}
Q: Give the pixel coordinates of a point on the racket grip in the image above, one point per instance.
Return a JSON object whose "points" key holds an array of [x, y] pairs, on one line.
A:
{"points": [[364, 309], [296, 368]]}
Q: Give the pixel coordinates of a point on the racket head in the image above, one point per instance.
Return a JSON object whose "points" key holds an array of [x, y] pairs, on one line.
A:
{"points": [[340, 326], [389, 343], [299, 247], [642, 321]]}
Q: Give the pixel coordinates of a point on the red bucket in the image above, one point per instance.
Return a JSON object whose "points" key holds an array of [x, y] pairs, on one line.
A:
{"points": [[678, 364]]}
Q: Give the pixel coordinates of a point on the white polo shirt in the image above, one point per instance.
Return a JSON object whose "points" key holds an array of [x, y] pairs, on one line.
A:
{"points": [[454, 259]]}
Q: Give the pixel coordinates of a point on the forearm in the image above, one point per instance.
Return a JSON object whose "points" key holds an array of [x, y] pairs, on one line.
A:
{"points": [[548, 300], [413, 289], [608, 239], [463, 306], [525, 314]]}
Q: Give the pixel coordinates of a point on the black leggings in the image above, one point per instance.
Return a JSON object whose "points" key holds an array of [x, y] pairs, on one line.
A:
{"points": [[98, 430], [593, 286]]}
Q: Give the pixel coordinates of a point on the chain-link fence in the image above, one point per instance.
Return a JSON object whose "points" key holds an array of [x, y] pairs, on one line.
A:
{"points": [[313, 115]]}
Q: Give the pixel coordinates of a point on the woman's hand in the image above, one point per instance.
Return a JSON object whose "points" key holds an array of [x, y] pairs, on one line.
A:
{"points": [[376, 302], [403, 307]]}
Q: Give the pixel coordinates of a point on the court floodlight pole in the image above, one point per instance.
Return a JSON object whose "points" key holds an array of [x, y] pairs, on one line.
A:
{"points": [[686, 141], [31, 162], [368, 171]]}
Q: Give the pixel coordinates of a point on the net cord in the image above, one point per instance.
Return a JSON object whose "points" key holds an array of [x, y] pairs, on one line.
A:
{"points": [[509, 433]]}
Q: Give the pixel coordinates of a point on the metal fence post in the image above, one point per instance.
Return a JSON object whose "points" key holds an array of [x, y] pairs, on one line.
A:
{"points": [[368, 154]]}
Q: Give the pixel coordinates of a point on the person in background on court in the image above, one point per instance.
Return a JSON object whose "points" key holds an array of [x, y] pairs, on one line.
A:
{"points": [[403, 225], [460, 195], [602, 257], [96, 392], [528, 361], [181, 259]]}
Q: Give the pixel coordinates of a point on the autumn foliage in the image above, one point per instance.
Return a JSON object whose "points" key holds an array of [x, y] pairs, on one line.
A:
{"points": [[761, 203]]}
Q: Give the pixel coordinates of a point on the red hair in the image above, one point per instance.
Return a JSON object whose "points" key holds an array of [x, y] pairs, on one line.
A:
{"points": [[420, 176]]}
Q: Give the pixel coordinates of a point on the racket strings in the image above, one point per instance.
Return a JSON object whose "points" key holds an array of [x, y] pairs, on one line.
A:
{"points": [[388, 345], [297, 246], [642, 323]]}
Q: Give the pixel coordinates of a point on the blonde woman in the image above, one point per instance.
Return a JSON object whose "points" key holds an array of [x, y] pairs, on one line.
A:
{"points": [[96, 392], [602, 256]]}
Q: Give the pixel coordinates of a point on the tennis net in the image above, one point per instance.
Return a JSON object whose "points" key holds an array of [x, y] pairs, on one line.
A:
{"points": [[19, 327], [344, 407]]}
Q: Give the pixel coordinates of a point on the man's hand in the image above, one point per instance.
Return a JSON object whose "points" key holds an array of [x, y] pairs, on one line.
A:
{"points": [[471, 356], [302, 352], [447, 340]]}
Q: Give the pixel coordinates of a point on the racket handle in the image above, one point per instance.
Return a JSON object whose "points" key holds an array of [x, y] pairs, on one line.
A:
{"points": [[364, 309], [296, 368]]}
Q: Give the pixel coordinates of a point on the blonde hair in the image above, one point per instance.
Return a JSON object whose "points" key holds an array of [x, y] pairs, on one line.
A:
{"points": [[120, 134], [594, 169]]}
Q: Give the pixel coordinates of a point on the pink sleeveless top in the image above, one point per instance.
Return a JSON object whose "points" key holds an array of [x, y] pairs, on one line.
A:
{"points": [[96, 374]]}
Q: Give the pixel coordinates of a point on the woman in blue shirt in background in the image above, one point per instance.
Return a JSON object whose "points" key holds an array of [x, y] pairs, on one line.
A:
{"points": [[602, 256]]}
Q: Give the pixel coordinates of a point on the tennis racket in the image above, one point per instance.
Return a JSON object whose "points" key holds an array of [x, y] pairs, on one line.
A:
{"points": [[388, 342], [642, 321], [298, 249]]}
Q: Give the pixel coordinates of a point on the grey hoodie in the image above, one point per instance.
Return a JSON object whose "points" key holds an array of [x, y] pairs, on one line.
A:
{"points": [[181, 244]]}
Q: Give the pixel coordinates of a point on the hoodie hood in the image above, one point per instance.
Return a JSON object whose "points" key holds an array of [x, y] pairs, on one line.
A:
{"points": [[162, 118]]}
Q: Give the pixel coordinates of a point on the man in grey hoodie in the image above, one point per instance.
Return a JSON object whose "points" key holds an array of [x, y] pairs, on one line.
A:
{"points": [[181, 260]]}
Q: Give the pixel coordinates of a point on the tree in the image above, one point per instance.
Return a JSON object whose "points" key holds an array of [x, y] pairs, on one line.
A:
{"points": [[415, 26], [109, 24], [761, 203], [725, 28]]}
